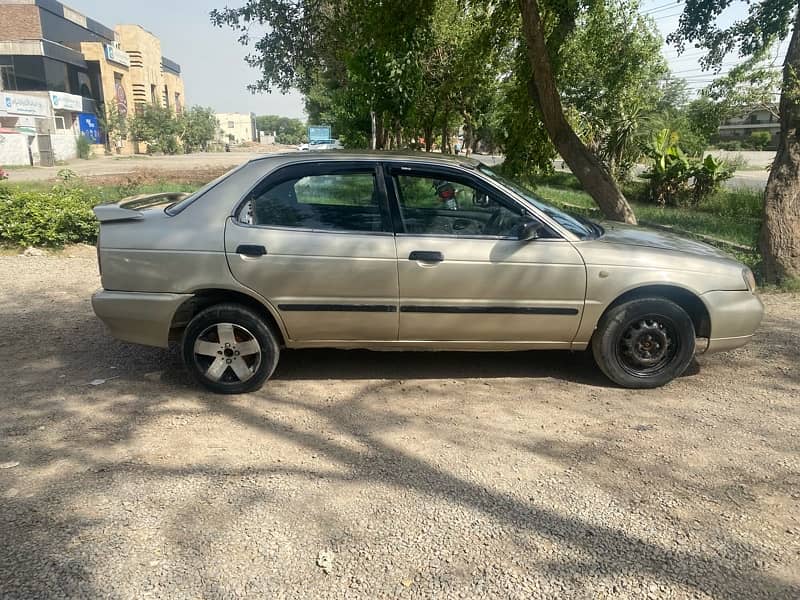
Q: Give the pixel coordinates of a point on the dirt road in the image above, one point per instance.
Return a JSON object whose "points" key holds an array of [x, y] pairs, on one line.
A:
{"points": [[365, 475]]}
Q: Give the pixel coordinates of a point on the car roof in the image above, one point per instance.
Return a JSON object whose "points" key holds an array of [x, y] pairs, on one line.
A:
{"points": [[427, 158]]}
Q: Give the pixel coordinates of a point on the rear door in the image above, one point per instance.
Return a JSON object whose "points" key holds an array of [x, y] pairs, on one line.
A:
{"points": [[316, 240], [464, 274]]}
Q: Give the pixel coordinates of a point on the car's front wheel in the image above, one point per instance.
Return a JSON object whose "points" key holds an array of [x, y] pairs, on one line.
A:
{"points": [[230, 349], [644, 343]]}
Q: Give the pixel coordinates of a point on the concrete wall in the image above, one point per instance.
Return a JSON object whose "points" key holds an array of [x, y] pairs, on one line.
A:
{"points": [[65, 145], [13, 150]]}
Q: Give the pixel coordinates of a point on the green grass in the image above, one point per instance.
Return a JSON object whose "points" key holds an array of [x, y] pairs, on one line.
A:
{"points": [[732, 215]]}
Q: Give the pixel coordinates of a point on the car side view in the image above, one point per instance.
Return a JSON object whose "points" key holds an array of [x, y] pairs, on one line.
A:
{"points": [[422, 252]]}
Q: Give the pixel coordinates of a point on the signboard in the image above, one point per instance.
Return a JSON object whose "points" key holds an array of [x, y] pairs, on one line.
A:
{"points": [[62, 101], [318, 133], [19, 104], [90, 127], [122, 98], [118, 56]]}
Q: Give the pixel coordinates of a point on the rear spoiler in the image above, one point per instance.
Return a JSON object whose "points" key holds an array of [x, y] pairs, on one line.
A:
{"points": [[130, 209]]}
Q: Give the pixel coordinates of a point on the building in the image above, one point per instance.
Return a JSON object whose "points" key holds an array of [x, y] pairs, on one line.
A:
{"points": [[739, 128], [84, 68], [236, 128]]}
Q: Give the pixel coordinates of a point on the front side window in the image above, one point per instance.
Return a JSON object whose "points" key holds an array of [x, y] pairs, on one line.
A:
{"points": [[442, 205], [335, 202]]}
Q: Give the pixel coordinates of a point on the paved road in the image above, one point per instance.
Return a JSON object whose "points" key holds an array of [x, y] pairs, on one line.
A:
{"points": [[386, 475]]}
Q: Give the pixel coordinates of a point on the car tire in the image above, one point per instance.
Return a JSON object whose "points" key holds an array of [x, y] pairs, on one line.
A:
{"points": [[230, 349], [644, 343]]}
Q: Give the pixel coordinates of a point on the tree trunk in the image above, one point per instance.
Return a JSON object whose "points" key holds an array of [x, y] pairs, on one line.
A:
{"points": [[597, 182], [428, 138], [780, 231]]}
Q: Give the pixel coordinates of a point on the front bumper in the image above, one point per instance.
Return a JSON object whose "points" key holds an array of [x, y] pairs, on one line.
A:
{"points": [[735, 316], [137, 317]]}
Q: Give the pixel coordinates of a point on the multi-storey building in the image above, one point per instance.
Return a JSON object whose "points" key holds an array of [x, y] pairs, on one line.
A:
{"points": [[61, 71]]}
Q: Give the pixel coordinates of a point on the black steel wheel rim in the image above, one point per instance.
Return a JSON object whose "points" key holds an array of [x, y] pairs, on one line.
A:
{"points": [[648, 345]]}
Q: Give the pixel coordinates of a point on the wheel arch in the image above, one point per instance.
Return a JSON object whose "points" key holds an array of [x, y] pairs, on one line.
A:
{"points": [[204, 298], [686, 299]]}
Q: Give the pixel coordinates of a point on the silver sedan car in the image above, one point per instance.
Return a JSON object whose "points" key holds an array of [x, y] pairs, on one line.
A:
{"points": [[387, 252]]}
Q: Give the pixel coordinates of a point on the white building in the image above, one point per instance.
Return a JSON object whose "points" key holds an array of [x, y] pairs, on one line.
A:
{"points": [[236, 128], [38, 128]]}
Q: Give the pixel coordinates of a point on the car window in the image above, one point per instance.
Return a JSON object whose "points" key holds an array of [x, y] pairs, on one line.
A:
{"points": [[436, 205], [584, 230], [335, 202]]}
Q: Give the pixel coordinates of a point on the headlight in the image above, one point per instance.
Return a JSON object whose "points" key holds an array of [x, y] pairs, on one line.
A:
{"points": [[749, 279]]}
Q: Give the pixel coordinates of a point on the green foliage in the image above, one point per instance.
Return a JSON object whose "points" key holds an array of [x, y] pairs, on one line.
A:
{"points": [[52, 219], [674, 178], [114, 124], [760, 139], [708, 176], [610, 99], [730, 145], [197, 126], [84, 147], [156, 126], [287, 130]]}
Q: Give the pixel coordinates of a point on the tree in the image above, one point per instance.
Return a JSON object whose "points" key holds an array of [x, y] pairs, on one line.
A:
{"points": [[197, 126], [610, 99], [156, 126], [766, 21], [596, 180], [287, 130], [114, 124]]}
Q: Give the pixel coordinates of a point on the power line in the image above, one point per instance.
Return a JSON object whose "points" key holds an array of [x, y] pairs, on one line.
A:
{"points": [[662, 7]]}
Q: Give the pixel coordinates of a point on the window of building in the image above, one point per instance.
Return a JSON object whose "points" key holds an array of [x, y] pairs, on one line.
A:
{"points": [[153, 97], [7, 79], [336, 202], [60, 122], [231, 124], [178, 107], [166, 96]]}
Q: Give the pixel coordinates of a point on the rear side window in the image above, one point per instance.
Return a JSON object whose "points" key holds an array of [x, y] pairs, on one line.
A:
{"points": [[333, 202]]}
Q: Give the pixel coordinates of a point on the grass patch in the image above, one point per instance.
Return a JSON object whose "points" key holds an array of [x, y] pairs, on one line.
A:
{"points": [[733, 215]]}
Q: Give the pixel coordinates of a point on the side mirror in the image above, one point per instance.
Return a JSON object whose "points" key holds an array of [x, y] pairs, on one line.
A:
{"points": [[529, 231]]}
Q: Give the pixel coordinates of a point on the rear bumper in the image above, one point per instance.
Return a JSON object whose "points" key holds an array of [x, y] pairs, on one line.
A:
{"points": [[735, 316], [136, 317]]}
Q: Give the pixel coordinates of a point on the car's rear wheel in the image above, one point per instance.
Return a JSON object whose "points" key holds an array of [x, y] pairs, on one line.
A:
{"points": [[230, 349], [644, 343]]}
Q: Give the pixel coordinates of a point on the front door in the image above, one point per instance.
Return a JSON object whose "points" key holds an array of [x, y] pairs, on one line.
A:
{"points": [[465, 276], [317, 242]]}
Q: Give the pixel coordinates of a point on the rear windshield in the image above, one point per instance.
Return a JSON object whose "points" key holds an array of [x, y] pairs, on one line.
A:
{"points": [[178, 207]]}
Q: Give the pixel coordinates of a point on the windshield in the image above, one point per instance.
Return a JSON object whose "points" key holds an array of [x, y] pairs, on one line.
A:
{"points": [[583, 228]]}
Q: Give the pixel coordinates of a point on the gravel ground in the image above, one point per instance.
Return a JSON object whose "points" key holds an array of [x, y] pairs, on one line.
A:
{"points": [[369, 475]]}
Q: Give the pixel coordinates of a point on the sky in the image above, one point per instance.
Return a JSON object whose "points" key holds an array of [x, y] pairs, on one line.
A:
{"points": [[216, 74], [211, 59], [666, 13]]}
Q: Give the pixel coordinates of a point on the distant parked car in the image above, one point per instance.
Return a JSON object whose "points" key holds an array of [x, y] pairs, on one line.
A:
{"points": [[326, 145], [386, 251], [302, 148]]}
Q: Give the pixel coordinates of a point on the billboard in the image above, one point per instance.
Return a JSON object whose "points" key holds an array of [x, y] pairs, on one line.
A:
{"points": [[318, 133], [90, 127]]}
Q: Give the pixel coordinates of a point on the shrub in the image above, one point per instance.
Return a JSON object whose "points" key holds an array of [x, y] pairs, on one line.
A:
{"points": [[760, 139], [53, 218], [707, 177], [675, 178], [731, 146], [84, 147]]}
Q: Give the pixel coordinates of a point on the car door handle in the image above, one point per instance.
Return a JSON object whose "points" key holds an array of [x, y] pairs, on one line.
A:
{"points": [[428, 257], [251, 250]]}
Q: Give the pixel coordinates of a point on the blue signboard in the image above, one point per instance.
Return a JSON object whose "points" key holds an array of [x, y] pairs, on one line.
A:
{"points": [[90, 127], [318, 133]]}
